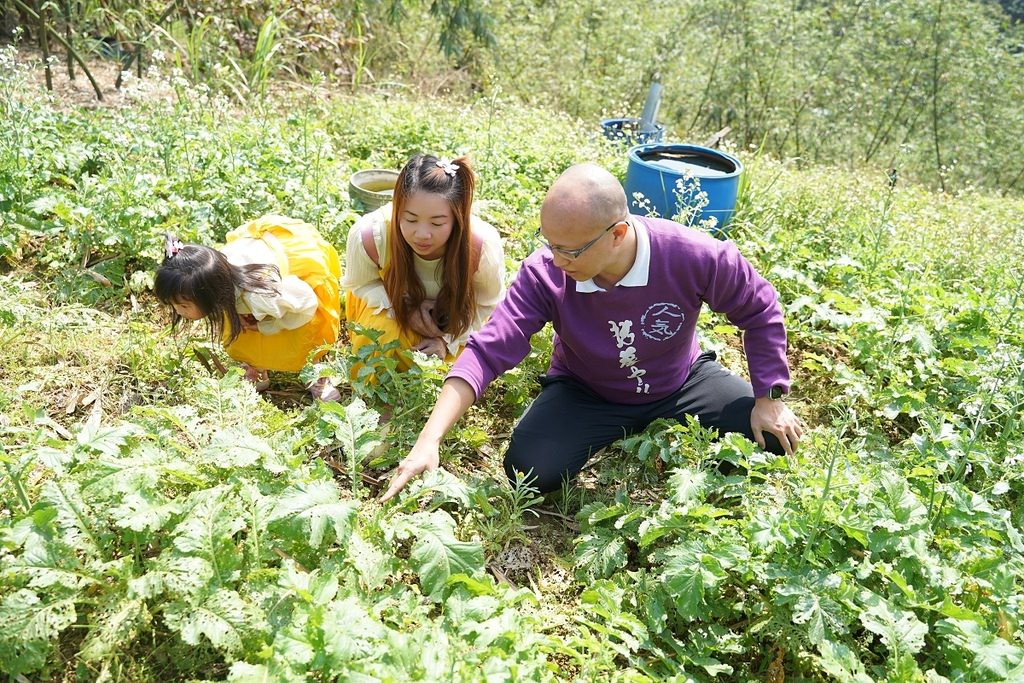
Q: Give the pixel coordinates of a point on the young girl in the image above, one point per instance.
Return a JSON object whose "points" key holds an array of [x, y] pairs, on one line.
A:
{"points": [[271, 294], [422, 269]]}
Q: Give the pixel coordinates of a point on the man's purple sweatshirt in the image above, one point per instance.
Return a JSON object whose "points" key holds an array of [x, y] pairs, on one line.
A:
{"points": [[635, 342]]}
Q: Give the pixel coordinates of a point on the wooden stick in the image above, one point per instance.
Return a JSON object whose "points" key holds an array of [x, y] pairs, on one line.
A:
{"points": [[500, 575], [718, 137], [207, 360], [217, 364], [201, 357], [552, 513]]}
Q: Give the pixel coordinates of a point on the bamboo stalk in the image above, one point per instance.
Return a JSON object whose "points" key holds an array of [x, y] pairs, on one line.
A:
{"points": [[936, 37], [44, 43], [122, 66], [67, 37], [705, 96], [67, 46], [880, 136]]}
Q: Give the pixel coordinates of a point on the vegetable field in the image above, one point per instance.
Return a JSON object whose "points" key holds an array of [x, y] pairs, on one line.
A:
{"points": [[161, 521]]}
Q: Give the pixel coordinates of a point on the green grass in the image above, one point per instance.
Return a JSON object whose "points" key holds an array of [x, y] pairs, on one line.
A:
{"points": [[177, 526]]}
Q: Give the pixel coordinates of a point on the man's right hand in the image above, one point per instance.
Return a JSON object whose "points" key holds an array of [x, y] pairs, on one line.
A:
{"points": [[425, 455], [455, 399]]}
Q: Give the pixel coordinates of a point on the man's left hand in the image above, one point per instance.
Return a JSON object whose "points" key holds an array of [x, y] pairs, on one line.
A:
{"points": [[775, 417]]}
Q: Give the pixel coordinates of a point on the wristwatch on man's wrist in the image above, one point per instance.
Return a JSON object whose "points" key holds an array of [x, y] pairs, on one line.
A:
{"points": [[776, 392]]}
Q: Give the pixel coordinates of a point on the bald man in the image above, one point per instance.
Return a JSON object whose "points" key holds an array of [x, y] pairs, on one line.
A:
{"points": [[623, 293]]}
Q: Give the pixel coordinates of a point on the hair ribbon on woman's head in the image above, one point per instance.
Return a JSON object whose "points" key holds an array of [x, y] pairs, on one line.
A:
{"points": [[448, 166], [172, 245]]}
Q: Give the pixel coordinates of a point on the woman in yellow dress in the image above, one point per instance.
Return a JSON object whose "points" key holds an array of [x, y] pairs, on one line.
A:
{"points": [[271, 294], [423, 269]]}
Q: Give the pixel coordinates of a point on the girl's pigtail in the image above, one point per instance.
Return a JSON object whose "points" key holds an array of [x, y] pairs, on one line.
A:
{"points": [[467, 179]]}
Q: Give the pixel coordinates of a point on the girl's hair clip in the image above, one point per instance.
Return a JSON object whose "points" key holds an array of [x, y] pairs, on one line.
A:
{"points": [[448, 166], [172, 245]]}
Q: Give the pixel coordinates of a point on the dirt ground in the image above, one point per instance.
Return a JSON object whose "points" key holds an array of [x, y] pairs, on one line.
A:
{"points": [[78, 92]]}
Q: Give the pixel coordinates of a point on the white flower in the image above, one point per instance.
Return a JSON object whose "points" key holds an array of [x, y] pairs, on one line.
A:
{"points": [[448, 166]]}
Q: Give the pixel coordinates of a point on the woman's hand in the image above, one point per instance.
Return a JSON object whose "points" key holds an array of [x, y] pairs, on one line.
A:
{"points": [[422, 321], [432, 346], [249, 322]]}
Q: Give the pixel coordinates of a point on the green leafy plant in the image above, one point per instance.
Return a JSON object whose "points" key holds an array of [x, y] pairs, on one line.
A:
{"points": [[254, 75], [354, 429]]}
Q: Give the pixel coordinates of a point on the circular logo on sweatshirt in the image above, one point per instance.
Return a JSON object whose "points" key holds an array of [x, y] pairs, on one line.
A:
{"points": [[661, 321]]}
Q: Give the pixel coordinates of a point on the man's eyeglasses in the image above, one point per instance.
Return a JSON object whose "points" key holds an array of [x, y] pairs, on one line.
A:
{"points": [[573, 254]]}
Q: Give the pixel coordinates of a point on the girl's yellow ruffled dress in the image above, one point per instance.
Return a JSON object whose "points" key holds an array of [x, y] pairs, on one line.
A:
{"points": [[299, 251]]}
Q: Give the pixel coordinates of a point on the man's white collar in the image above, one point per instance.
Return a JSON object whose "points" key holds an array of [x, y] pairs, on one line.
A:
{"points": [[638, 274]]}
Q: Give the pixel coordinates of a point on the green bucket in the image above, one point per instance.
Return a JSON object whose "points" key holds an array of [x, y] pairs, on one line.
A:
{"points": [[371, 189]]}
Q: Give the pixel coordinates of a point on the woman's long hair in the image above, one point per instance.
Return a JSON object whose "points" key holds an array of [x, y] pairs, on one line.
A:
{"points": [[456, 302], [205, 277]]}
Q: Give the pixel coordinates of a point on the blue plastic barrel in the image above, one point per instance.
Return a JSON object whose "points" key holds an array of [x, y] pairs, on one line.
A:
{"points": [[658, 173], [628, 131]]}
